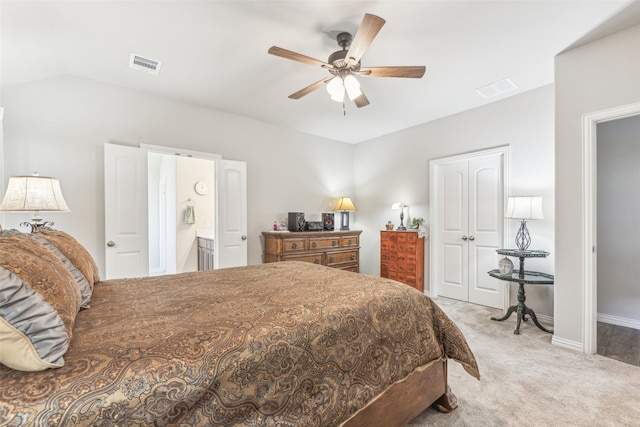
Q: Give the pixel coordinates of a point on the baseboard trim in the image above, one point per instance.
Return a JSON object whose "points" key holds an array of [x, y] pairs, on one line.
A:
{"points": [[619, 321], [565, 343], [543, 318]]}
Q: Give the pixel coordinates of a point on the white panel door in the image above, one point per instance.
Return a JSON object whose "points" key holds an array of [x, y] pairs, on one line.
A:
{"points": [[485, 229], [454, 214], [126, 219], [231, 229], [470, 200]]}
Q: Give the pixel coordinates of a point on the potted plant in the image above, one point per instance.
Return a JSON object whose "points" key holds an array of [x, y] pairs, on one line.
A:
{"points": [[416, 223]]}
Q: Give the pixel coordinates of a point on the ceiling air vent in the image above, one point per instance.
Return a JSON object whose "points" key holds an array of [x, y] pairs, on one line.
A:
{"points": [[496, 88], [141, 63]]}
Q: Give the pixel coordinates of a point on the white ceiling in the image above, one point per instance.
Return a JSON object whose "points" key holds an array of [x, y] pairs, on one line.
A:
{"points": [[214, 53]]}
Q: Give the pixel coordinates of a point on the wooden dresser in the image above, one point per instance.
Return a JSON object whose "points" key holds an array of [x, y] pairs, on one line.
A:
{"points": [[337, 249], [402, 257]]}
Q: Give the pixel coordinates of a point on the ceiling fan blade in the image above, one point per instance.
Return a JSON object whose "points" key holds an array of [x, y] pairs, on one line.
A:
{"points": [[307, 90], [411, 71], [284, 53], [369, 28], [361, 101]]}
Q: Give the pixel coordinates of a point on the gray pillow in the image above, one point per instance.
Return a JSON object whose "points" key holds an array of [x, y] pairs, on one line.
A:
{"points": [[33, 334]]}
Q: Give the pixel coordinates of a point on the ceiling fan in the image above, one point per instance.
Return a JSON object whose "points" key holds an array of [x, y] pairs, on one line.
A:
{"points": [[344, 65]]}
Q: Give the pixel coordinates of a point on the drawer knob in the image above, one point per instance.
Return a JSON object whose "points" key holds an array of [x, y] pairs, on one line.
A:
{"points": [[330, 259], [334, 243], [313, 244], [353, 257], [294, 245], [317, 261]]}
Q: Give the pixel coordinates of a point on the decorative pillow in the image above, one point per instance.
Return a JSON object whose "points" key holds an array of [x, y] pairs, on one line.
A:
{"points": [[85, 288], [38, 294], [72, 249], [32, 333]]}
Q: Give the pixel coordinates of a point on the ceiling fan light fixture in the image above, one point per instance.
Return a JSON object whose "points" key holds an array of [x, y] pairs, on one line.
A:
{"points": [[344, 65], [352, 85], [335, 87]]}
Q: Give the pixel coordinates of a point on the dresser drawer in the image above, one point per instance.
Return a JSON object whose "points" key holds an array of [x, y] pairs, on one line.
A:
{"points": [[323, 243], [315, 259], [293, 245], [349, 241], [391, 275], [412, 238], [341, 257], [411, 281], [388, 237], [388, 256], [411, 268], [351, 267], [388, 266]]}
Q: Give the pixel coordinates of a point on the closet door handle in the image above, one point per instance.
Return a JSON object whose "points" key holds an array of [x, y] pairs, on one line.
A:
{"points": [[472, 238], [464, 237]]}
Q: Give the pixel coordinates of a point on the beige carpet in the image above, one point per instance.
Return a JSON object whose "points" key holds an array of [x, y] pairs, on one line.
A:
{"points": [[526, 381]]}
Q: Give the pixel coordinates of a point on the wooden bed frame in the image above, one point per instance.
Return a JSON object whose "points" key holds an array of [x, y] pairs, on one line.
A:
{"points": [[406, 399]]}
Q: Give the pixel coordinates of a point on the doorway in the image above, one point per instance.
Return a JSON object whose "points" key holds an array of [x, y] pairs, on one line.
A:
{"points": [[618, 237], [467, 199], [589, 209], [182, 206], [127, 220]]}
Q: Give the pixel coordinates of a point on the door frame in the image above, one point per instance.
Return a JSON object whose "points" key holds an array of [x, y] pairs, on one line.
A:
{"points": [[589, 218], [434, 193], [180, 152]]}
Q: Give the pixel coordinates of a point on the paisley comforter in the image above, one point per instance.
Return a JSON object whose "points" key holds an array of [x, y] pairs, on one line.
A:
{"points": [[287, 344]]}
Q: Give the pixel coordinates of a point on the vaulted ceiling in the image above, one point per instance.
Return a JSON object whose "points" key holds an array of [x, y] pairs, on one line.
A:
{"points": [[214, 53]]}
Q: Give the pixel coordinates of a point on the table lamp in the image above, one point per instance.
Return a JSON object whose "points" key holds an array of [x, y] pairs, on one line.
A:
{"points": [[344, 205], [400, 206], [524, 208], [34, 194]]}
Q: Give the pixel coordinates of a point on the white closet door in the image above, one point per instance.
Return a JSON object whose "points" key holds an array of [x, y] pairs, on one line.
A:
{"points": [[470, 204], [453, 210], [485, 229]]}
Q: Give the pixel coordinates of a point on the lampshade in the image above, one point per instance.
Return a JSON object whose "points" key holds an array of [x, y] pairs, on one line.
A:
{"points": [[352, 86], [345, 204], [397, 206], [338, 85], [335, 87], [524, 208], [34, 194]]}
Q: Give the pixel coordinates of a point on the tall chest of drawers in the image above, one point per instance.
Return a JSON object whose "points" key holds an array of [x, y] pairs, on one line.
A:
{"points": [[402, 257], [337, 249]]}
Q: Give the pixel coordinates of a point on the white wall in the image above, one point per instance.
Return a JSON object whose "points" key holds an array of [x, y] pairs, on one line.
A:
{"points": [[590, 78], [618, 148], [58, 127], [190, 170], [394, 168]]}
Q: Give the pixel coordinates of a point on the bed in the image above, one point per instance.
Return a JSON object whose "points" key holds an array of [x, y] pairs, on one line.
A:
{"points": [[278, 344]]}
